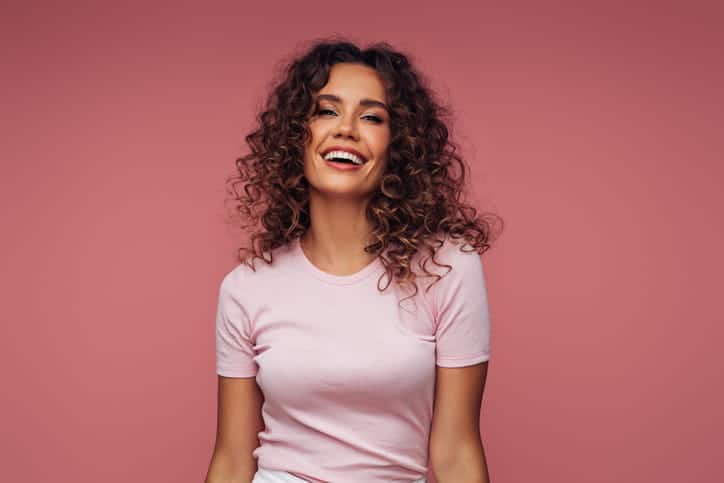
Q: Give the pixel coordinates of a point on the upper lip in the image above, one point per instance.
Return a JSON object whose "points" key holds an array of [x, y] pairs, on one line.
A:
{"points": [[342, 148]]}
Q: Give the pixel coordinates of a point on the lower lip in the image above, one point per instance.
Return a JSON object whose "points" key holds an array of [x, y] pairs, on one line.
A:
{"points": [[343, 166]]}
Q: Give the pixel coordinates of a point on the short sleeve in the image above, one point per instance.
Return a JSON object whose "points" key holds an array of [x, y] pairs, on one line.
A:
{"points": [[462, 327], [234, 349]]}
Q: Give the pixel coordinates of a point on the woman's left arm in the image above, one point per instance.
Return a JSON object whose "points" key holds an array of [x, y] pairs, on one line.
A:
{"points": [[456, 448]]}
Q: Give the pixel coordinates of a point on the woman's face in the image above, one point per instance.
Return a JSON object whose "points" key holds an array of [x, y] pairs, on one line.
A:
{"points": [[350, 113]]}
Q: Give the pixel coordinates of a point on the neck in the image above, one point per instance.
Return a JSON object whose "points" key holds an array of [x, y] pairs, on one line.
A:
{"points": [[337, 235]]}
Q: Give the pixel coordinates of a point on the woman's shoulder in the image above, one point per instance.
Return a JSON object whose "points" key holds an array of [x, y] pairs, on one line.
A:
{"points": [[453, 259], [460, 269], [452, 251]]}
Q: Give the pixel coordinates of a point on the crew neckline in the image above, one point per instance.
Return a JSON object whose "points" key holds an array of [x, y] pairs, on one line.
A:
{"points": [[329, 277]]}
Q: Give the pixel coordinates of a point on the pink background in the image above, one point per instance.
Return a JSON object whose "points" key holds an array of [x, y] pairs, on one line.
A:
{"points": [[595, 131]]}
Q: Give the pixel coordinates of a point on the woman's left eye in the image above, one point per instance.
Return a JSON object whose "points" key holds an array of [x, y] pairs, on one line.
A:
{"points": [[373, 118]]}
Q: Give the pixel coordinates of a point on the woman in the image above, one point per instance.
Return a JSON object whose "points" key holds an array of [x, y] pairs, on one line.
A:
{"points": [[324, 373]]}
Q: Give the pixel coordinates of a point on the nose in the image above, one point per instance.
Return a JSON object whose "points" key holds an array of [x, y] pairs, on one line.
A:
{"points": [[346, 127]]}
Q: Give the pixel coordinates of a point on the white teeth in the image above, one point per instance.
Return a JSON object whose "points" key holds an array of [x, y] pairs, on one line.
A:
{"points": [[343, 154]]}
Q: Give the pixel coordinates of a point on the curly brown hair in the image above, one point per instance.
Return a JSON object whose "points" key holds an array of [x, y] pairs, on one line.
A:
{"points": [[420, 198]]}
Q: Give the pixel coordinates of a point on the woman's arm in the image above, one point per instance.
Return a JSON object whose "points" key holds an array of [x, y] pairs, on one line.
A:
{"points": [[456, 449], [238, 424]]}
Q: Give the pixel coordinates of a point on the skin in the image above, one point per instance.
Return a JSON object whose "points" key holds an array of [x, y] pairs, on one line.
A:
{"points": [[339, 229], [456, 448], [334, 242]]}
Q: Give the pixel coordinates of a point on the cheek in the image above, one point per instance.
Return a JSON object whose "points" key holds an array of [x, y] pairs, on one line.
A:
{"points": [[312, 145], [380, 143], [380, 168]]}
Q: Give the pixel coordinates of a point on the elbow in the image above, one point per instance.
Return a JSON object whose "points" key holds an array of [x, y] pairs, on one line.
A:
{"points": [[226, 469], [465, 463]]}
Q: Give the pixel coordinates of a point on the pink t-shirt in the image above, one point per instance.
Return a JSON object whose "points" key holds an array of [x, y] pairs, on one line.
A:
{"points": [[348, 376]]}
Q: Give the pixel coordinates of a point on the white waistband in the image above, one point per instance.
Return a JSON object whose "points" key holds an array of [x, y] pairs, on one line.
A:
{"points": [[275, 476]]}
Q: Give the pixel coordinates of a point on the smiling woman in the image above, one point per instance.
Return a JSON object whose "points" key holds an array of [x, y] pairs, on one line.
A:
{"points": [[324, 374], [350, 132]]}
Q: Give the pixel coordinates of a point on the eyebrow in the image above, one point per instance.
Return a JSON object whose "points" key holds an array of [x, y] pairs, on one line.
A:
{"points": [[363, 102]]}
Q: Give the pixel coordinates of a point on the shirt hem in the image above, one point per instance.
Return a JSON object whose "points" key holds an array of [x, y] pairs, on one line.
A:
{"points": [[228, 373], [462, 361]]}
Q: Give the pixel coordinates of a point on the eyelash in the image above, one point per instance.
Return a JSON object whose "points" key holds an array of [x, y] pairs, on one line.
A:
{"points": [[376, 119]]}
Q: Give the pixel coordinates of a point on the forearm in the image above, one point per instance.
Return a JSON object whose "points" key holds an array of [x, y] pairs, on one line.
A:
{"points": [[466, 465]]}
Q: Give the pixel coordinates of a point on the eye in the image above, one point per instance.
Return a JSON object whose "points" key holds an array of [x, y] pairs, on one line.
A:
{"points": [[322, 112]]}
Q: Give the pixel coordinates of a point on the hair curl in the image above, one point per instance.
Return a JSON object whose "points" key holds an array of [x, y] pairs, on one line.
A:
{"points": [[420, 197]]}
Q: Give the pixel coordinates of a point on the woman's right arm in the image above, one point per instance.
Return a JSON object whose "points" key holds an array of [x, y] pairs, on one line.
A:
{"points": [[237, 426]]}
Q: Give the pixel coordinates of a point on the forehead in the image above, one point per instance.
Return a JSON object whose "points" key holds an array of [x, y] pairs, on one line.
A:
{"points": [[354, 81]]}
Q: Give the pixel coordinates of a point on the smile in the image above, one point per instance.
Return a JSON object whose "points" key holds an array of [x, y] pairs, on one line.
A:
{"points": [[343, 157], [342, 165], [343, 154]]}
